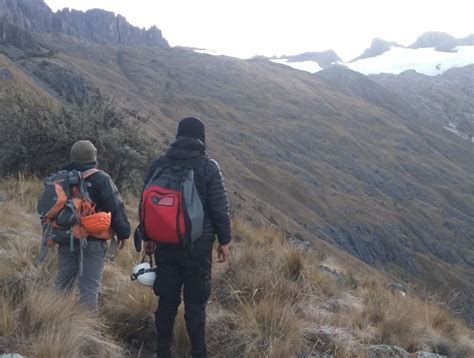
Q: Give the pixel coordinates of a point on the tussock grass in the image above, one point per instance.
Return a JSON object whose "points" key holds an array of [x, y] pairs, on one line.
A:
{"points": [[270, 300], [47, 324], [7, 317], [410, 323], [269, 328], [22, 189], [294, 264], [128, 309]]}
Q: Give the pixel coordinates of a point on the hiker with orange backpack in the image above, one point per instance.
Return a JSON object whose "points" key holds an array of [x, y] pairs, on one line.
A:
{"points": [[184, 206], [81, 210]]}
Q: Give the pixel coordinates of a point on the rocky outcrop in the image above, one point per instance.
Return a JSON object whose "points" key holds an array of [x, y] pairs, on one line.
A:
{"points": [[377, 48], [93, 25], [5, 74], [324, 58], [439, 40], [16, 36], [103, 26], [29, 15], [67, 83], [386, 351]]}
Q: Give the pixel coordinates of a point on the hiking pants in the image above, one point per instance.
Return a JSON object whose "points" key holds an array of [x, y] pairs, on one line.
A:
{"points": [[92, 268], [177, 270]]}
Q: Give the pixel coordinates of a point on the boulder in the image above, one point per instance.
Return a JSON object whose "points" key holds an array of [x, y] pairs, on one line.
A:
{"points": [[5, 74], [386, 351]]}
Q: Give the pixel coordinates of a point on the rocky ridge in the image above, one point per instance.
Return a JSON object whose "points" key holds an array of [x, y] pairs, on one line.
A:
{"points": [[18, 17], [323, 58], [441, 41], [377, 47]]}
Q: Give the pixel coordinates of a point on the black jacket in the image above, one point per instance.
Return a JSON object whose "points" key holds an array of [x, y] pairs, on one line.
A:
{"points": [[209, 184], [106, 197]]}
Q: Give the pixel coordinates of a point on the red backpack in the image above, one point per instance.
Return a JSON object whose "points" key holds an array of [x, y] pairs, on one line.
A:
{"points": [[171, 211]]}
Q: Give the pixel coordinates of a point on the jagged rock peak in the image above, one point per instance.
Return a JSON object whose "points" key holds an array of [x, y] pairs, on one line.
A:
{"points": [[440, 40], [377, 47], [93, 25]]}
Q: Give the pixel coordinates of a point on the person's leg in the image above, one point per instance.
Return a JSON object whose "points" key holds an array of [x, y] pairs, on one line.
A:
{"points": [[68, 266], [197, 288], [92, 269], [168, 288]]}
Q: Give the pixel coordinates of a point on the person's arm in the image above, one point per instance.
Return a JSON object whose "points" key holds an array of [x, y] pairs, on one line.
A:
{"points": [[111, 201], [218, 205]]}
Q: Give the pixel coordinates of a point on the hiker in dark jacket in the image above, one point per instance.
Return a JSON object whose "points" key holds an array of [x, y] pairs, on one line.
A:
{"points": [[176, 268], [104, 194]]}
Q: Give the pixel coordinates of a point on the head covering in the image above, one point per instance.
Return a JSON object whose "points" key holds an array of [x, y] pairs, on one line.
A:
{"points": [[192, 127], [83, 151]]}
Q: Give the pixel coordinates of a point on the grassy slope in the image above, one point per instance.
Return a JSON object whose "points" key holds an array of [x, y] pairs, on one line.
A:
{"points": [[271, 300], [314, 161]]}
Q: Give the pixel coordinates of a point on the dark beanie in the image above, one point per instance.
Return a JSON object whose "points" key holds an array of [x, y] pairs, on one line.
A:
{"points": [[192, 127], [83, 151]]}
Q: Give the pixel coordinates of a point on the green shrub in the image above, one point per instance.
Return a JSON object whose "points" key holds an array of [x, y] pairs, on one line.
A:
{"points": [[36, 139]]}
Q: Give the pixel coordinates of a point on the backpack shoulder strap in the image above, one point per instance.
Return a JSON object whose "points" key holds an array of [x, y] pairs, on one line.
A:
{"points": [[199, 167], [87, 174], [159, 164], [90, 172]]}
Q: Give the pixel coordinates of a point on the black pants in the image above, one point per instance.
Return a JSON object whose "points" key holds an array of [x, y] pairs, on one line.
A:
{"points": [[177, 269]]}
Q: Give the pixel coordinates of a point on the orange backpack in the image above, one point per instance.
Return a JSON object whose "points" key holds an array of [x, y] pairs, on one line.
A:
{"points": [[67, 212]]}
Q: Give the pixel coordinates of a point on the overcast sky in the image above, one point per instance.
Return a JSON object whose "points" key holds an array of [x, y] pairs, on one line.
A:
{"points": [[246, 28]]}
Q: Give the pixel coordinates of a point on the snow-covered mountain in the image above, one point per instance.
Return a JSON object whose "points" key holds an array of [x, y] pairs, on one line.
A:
{"points": [[428, 61], [308, 66], [431, 54]]}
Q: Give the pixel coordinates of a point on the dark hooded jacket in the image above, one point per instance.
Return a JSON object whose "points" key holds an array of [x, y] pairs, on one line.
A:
{"points": [[209, 184], [105, 195]]}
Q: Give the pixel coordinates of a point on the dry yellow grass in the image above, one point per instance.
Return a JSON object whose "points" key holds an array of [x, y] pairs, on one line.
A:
{"points": [[43, 323], [7, 321], [410, 323], [270, 300]]}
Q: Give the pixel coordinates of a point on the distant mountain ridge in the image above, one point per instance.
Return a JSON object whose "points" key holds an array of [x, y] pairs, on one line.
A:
{"points": [[441, 41], [431, 54], [18, 16], [377, 47], [323, 58]]}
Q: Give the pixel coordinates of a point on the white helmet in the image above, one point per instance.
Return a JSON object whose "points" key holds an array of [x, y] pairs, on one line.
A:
{"points": [[144, 274]]}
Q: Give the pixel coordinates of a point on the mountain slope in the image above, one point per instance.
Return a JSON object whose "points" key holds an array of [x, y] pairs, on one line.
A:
{"points": [[272, 298], [333, 169], [446, 99]]}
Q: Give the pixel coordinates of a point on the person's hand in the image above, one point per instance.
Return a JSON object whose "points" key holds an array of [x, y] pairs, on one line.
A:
{"points": [[121, 244], [149, 248], [222, 253]]}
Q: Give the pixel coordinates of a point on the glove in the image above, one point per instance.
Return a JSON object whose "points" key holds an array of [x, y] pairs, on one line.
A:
{"points": [[149, 248]]}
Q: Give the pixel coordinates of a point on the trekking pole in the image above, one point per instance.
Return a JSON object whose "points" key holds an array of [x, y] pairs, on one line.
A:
{"points": [[43, 252]]}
